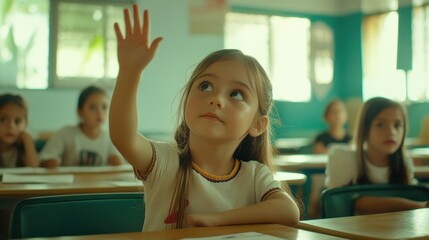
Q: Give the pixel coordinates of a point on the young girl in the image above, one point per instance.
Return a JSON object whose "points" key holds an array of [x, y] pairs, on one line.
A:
{"points": [[335, 116], [16, 145], [378, 158], [207, 178], [85, 144]]}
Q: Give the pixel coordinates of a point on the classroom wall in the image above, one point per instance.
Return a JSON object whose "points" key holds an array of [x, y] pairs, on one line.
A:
{"points": [[180, 51], [161, 83]]}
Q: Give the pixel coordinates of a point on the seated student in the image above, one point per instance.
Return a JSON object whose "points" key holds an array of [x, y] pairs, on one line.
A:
{"points": [[16, 145], [219, 170], [377, 158], [423, 138], [85, 144], [335, 116]]}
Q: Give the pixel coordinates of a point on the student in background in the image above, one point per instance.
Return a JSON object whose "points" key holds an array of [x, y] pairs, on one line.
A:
{"points": [[378, 157], [16, 144], [208, 178], [423, 138], [336, 117], [85, 144]]}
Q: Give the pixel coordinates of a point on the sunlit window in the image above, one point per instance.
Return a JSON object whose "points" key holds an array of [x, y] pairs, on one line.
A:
{"points": [[418, 88], [24, 38], [380, 39], [86, 43], [45, 43], [281, 45]]}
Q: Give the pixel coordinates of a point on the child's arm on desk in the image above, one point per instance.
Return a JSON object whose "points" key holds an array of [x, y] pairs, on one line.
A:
{"points": [[277, 208]]}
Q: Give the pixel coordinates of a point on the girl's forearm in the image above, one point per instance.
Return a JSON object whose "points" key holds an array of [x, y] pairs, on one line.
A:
{"points": [[280, 211], [123, 110]]}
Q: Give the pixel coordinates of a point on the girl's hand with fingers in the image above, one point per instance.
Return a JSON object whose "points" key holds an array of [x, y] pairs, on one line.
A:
{"points": [[135, 50]]}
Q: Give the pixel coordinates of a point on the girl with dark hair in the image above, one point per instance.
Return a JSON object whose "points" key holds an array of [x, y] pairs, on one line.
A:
{"points": [[85, 144], [378, 157], [16, 145]]}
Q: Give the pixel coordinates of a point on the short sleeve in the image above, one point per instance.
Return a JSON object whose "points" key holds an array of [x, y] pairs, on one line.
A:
{"points": [[54, 148], [265, 183], [341, 168], [165, 162]]}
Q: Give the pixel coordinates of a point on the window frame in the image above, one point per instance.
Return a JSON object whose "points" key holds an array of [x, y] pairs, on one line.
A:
{"points": [[75, 82]]}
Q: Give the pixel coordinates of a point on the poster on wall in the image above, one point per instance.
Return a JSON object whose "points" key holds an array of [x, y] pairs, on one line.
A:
{"points": [[207, 16]]}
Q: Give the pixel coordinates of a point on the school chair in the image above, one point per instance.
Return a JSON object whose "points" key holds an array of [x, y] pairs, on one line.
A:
{"points": [[339, 202], [77, 214], [39, 144]]}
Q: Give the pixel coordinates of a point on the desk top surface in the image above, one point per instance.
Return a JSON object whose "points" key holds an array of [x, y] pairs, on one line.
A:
{"points": [[83, 183], [94, 180], [411, 224], [281, 231]]}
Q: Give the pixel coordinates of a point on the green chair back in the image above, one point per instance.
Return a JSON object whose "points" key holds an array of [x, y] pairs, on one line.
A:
{"points": [[77, 214], [339, 202]]}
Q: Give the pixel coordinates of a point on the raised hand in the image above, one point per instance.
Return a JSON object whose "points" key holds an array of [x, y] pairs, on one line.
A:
{"points": [[134, 51]]}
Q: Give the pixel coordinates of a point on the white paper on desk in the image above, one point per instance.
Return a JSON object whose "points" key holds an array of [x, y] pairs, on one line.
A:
{"points": [[15, 178], [243, 235]]}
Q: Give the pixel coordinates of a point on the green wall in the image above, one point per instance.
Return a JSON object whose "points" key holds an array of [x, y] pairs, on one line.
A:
{"points": [[305, 119]]}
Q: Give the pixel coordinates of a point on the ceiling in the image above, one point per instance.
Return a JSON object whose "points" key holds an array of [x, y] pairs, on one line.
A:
{"points": [[328, 7]]}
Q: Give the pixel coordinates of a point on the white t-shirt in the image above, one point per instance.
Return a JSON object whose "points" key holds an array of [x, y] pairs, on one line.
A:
{"points": [[71, 147], [248, 183], [342, 168]]}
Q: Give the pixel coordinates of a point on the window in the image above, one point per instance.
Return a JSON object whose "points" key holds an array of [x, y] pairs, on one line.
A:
{"points": [[380, 38], [280, 44], [82, 48], [418, 88], [24, 37]]}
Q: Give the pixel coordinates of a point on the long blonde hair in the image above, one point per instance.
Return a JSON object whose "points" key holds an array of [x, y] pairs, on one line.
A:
{"points": [[251, 148]]}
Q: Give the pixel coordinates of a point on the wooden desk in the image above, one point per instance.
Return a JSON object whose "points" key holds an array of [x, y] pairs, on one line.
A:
{"points": [[291, 178], [86, 180], [68, 170], [297, 162], [291, 145], [420, 156], [83, 183], [270, 229], [411, 224]]}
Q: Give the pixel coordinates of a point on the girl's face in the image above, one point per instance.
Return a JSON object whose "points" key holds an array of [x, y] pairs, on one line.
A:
{"points": [[337, 114], [222, 102], [94, 111], [386, 132], [12, 123]]}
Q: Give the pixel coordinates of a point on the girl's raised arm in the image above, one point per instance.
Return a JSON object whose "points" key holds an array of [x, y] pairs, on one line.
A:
{"points": [[134, 54]]}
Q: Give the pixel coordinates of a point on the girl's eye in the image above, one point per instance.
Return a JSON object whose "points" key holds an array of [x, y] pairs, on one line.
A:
{"points": [[398, 125], [237, 95], [205, 86], [3, 119], [104, 107], [379, 125], [18, 121], [92, 107]]}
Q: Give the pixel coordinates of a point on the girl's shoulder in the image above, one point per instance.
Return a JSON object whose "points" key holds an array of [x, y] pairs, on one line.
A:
{"points": [[253, 166]]}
